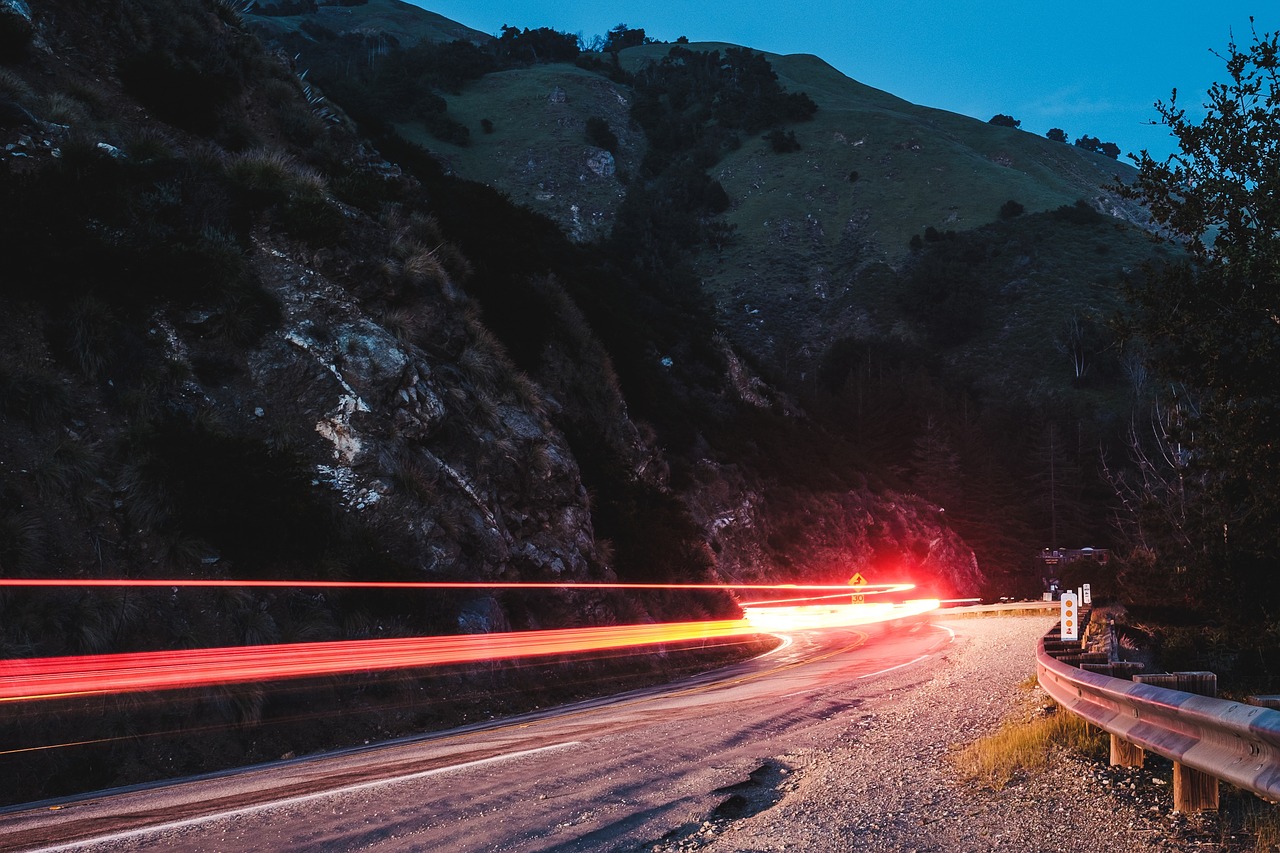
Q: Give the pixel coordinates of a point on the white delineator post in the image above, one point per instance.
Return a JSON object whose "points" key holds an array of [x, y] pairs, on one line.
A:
{"points": [[1070, 629]]}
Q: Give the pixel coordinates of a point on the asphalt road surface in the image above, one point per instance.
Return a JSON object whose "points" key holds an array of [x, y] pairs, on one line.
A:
{"points": [[624, 773]]}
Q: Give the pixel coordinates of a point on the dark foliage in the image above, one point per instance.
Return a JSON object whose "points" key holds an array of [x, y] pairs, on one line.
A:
{"points": [[1209, 327], [281, 8], [944, 291], [375, 78], [622, 37], [692, 105], [601, 135], [533, 46], [1010, 209], [782, 142], [1057, 134], [183, 68], [255, 505], [1096, 145], [143, 234], [1080, 213], [1002, 120], [16, 34]]}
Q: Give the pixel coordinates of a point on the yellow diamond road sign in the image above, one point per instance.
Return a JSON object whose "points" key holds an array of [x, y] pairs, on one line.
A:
{"points": [[857, 580]]}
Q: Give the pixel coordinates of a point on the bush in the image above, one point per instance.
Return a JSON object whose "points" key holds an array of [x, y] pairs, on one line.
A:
{"points": [[601, 135], [1010, 209], [782, 142], [186, 89], [1080, 213], [255, 505]]}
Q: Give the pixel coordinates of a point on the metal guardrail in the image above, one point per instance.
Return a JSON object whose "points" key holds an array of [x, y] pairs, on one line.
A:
{"points": [[1224, 740]]}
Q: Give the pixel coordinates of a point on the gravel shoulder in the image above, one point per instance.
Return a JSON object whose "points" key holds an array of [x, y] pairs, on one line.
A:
{"points": [[883, 779]]}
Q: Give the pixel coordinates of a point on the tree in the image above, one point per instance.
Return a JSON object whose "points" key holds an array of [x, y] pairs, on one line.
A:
{"points": [[1077, 339], [1010, 209], [1097, 146], [1058, 483], [1002, 120], [1057, 134], [622, 37], [1211, 321]]}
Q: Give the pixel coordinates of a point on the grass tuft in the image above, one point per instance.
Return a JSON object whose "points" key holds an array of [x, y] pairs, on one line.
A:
{"points": [[1261, 820], [1019, 747]]}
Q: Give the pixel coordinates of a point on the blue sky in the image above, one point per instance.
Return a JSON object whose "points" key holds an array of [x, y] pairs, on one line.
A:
{"points": [[1087, 67]]}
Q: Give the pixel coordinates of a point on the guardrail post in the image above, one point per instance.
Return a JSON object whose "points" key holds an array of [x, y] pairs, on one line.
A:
{"points": [[1193, 790], [1126, 754]]}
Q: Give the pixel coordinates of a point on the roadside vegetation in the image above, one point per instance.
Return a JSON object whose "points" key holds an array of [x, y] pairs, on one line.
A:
{"points": [[1026, 744]]}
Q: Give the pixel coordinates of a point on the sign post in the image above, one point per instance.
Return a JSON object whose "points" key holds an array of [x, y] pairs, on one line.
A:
{"points": [[1070, 618], [1086, 595]]}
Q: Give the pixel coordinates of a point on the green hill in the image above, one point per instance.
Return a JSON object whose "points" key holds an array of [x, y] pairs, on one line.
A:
{"points": [[822, 233], [405, 23]]}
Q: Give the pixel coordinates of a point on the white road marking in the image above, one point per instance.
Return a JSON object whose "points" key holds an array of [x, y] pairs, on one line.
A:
{"points": [[786, 642], [892, 668], [910, 662], [801, 692], [303, 798]]}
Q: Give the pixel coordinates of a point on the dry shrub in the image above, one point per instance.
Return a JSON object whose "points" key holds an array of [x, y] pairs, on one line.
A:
{"points": [[1022, 746], [13, 87], [61, 108], [272, 172], [423, 268]]}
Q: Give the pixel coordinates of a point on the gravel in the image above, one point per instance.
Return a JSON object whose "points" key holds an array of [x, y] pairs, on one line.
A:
{"points": [[883, 778]]}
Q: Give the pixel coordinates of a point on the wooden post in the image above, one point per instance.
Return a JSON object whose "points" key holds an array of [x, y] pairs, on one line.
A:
{"points": [[1193, 790], [1125, 754]]}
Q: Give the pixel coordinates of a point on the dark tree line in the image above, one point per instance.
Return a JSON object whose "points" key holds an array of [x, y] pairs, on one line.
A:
{"points": [[694, 107], [1203, 491]]}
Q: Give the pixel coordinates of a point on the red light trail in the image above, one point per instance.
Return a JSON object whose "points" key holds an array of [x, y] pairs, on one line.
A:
{"points": [[27, 679], [48, 678], [59, 583]]}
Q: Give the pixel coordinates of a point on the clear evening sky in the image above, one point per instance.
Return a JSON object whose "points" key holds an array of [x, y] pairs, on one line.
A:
{"points": [[1087, 67]]}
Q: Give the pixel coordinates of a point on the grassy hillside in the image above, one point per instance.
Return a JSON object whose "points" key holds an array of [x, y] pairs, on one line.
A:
{"points": [[405, 23], [821, 235], [538, 151]]}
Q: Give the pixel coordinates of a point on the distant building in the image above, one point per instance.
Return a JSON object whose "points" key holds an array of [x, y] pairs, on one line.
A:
{"points": [[1051, 561]]}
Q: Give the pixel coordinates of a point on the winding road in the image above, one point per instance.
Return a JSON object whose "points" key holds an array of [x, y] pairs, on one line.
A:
{"points": [[622, 773]]}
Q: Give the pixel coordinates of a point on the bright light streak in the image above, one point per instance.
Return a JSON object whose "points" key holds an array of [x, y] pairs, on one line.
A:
{"points": [[69, 583], [48, 678], [810, 617], [877, 589]]}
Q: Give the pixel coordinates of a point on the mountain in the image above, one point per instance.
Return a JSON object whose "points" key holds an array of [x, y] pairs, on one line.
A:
{"points": [[885, 264], [820, 235], [357, 293]]}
